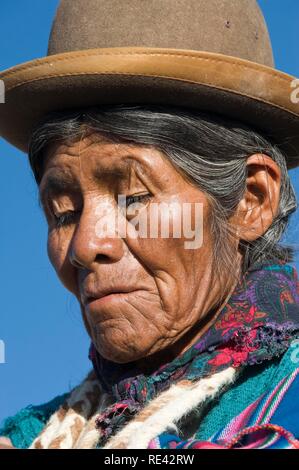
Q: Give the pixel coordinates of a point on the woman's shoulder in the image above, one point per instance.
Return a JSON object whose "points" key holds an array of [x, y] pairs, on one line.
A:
{"points": [[24, 427]]}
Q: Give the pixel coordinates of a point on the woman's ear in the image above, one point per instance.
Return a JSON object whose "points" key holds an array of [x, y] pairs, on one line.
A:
{"points": [[259, 205]]}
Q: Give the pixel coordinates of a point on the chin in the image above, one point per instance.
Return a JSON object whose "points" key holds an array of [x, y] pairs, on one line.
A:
{"points": [[121, 348], [119, 356]]}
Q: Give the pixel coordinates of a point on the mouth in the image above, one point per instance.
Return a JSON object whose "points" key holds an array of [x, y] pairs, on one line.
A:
{"points": [[107, 296]]}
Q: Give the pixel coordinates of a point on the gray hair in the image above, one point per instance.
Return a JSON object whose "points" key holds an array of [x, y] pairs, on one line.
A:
{"points": [[210, 150]]}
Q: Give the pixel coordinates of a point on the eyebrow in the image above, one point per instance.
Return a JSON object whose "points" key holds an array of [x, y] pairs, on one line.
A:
{"points": [[120, 171]]}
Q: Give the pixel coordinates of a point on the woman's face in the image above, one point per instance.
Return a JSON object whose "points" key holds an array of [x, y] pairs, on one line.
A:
{"points": [[159, 289]]}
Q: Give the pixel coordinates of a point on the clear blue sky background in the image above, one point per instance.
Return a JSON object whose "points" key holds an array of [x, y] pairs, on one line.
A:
{"points": [[40, 322]]}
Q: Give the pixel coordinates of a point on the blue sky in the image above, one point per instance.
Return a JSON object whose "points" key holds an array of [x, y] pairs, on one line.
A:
{"points": [[40, 322]]}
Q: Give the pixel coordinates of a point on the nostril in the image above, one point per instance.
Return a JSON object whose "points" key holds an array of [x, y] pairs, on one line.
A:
{"points": [[102, 258]]}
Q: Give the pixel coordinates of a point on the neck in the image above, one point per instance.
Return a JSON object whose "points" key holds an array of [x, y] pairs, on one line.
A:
{"points": [[149, 364]]}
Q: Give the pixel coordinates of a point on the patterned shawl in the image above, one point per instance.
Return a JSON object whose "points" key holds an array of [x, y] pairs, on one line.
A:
{"points": [[259, 322]]}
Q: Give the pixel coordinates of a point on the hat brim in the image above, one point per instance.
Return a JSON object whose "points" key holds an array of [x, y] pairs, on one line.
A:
{"points": [[255, 94]]}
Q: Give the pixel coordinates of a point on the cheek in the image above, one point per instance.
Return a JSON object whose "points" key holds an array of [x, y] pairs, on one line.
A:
{"points": [[180, 265], [181, 237], [58, 246]]}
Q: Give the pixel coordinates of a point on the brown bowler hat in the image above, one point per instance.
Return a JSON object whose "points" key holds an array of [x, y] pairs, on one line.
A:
{"points": [[211, 55]]}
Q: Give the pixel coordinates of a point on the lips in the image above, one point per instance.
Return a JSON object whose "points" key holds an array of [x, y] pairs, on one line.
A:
{"points": [[92, 295]]}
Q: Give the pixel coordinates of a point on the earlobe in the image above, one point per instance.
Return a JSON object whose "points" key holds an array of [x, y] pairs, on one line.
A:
{"points": [[259, 205]]}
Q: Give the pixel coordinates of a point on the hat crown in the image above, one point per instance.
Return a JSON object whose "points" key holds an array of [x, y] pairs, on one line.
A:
{"points": [[231, 27]]}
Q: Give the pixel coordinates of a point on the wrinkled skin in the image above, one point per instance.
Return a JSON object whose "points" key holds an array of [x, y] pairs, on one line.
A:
{"points": [[173, 296]]}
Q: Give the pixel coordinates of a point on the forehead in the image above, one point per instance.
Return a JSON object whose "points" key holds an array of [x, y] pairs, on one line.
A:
{"points": [[95, 149], [95, 158], [88, 152]]}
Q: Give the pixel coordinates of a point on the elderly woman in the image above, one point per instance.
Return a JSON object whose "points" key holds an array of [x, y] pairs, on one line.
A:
{"points": [[193, 341]]}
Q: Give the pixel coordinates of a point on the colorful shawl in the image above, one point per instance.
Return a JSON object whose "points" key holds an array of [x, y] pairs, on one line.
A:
{"points": [[254, 427], [258, 323]]}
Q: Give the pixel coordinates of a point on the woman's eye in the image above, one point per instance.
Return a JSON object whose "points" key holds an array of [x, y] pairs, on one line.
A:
{"points": [[137, 198], [66, 218]]}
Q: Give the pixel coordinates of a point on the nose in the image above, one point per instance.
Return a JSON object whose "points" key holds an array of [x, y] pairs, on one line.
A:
{"points": [[94, 239]]}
